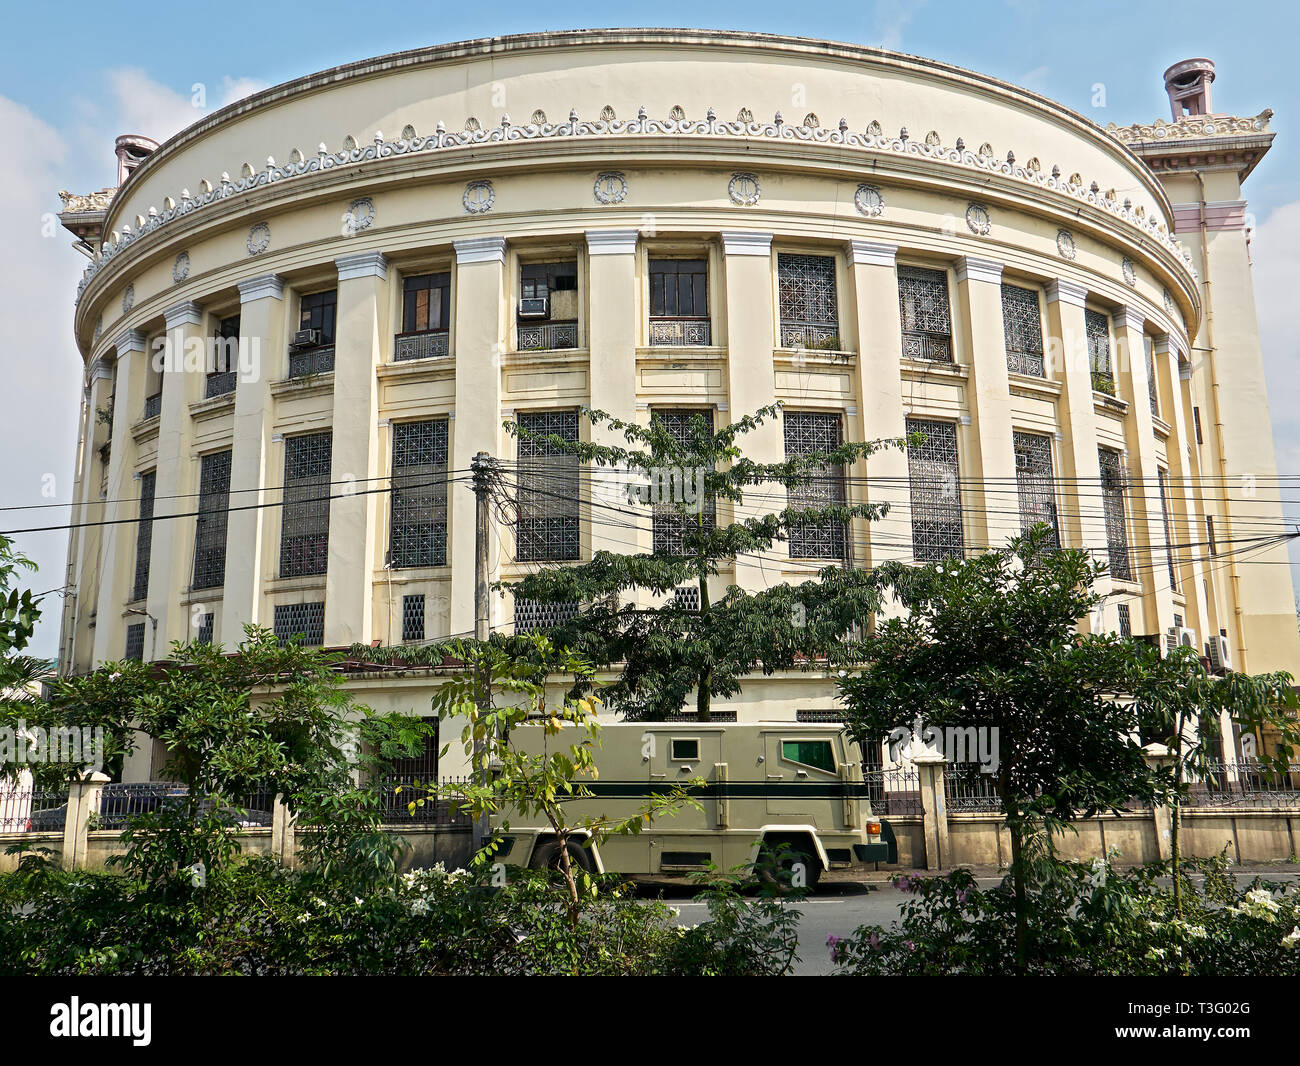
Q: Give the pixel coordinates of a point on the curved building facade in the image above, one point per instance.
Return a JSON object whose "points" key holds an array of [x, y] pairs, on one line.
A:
{"points": [[306, 314]]}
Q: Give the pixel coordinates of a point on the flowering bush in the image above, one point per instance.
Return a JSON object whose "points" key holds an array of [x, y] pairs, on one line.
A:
{"points": [[1087, 918]]}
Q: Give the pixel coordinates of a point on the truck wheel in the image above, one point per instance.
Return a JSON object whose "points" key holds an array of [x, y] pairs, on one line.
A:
{"points": [[776, 865], [547, 857]]}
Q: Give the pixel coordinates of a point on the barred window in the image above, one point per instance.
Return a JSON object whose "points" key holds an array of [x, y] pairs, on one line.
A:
{"points": [[1209, 535], [422, 768], [299, 623], [1035, 483], [418, 536], [807, 432], [1196, 421], [206, 625], [144, 535], [533, 616], [305, 516], [1112, 497], [1153, 387], [134, 642], [1097, 328], [1022, 330], [923, 310], [807, 296], [1125, 621], [671, 522], [223, 372], [210, 529], [412, 618], [934, 482], [547, 526], [1169, 538], [687, 598]]}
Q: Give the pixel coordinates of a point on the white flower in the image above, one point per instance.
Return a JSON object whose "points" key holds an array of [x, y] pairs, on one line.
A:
{"points": [[1292, 938], [1196, 932]]}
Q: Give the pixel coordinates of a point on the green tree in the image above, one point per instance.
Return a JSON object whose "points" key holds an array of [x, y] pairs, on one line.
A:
{"points": [[992, 642], [19, 613], [666, 652]]}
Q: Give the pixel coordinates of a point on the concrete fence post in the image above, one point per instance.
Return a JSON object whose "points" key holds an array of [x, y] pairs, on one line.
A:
{"points": [[1159, 757], [83, 802], [284, 844], [934, 806]]}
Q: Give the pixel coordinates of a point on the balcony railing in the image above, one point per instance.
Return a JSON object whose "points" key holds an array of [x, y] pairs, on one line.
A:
{"points": [[1029, 363], [547, 336], [680, 332], [311, 361], [222, 384], [426, 344], [153, 405], [814, 336], [927, 346]]}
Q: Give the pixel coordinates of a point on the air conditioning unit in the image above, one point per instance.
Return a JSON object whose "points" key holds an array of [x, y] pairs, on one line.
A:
{"points": [[1220, 654], [535, 307], [1180, 637], [306, 338]]}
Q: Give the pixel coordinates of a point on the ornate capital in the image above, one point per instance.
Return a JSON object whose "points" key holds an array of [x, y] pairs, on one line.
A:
{"points": [[186, 314], [480, 250], [1067, 292], [260, 288], [745, 242], [362, 265], [872, 253], [972, 268], [1133, 318], [611, 241]]}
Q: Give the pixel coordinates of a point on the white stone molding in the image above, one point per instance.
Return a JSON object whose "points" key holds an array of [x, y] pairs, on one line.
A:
{"points": [[259, 288], [480, 250], [611, 241], [362, 265], [746, 242], [872, 253]]}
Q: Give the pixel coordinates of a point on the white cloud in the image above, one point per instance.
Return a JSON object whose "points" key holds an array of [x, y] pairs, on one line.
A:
{"points": [[892, 17]]}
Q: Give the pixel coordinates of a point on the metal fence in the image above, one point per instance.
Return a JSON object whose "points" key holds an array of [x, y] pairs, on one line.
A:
{"points": [[33, 810], [1246, 784], [965, 788], [434, 805], [893, 791], [119, 804]]}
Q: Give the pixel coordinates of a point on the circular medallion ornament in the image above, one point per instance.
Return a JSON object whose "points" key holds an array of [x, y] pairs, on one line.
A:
{"points": [[869, 201], [978, 220], [181, 268], [99, 327], [1065, 244], [610, 188], [361, 215], [1130, 271], [1169, 302], [259, 238], [479, 197], [128, 298], [744, 189]]}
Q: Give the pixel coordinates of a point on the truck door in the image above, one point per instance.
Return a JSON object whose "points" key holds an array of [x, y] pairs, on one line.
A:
{"points": [[803, 777]]}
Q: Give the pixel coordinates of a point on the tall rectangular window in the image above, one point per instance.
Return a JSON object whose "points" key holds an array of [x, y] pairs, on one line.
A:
{"points": [[299, 623], [1196, 421], [671, 523], [1035, 483], [144, 536], [533, 616], [210, 529], [1022, 330], [412, 618], [1125, 620], [418, 535], [1209, 535], [1169, 534], [305, 516], [810, 432], [223, 372], [925, 315], [679, 302], [934, 481], [1112, 498], [548, 306], [1153, 386], [206, 625], [313, 347], [547, 526], [1096, 327], [134, 642], [426, 317], [808, 306]]}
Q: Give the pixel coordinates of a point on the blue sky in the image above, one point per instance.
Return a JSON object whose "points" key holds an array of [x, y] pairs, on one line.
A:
{"points": [[84, 73]]}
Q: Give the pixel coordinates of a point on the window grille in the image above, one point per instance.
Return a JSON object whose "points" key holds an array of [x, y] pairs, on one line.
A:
{"points": [[807, 296], [144, 536], [305, 516], [135, 642], [1209, 535], [1022, 330], [671, 521], [223, 372], [207, 624], [687, 598], [1097, 328], [300, 623], [533, 616], [925, 316], [418, 507], [1196, 420], [1035, 483], [679, 303], [1153, 387], [412, 618], [422, 768], [1112, 493], [1125, 621], [210, 529], [935, 491], [807, 432], [547, 526], [1169, 538]]}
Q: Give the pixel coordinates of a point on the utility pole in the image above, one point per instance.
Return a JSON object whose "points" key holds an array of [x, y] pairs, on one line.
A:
{"points": [[481, 467]]}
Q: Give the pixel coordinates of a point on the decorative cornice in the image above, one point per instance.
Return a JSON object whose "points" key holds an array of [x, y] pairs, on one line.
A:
{"points": [[872, 253], [746, 242], [185, 314], [129, 340], [972, 268], [100, 369], [611, 241], [776, 131], [362, 265], [259, 288], [88, 203], [1067, 292], [1132, 318], [1189, 128], [480, 250]]}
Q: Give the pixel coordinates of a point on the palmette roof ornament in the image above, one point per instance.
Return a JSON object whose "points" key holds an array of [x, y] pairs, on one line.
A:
{"points": [[873, 141], [1191, 127], [76, 203]]}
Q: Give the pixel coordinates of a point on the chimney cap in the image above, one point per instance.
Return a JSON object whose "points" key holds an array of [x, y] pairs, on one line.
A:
{"points": [[1188, 85]]}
